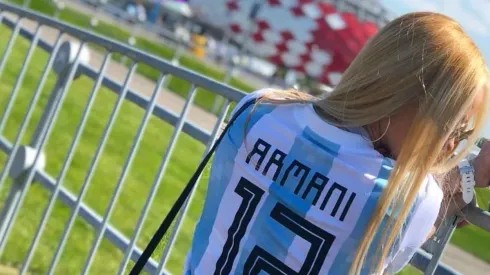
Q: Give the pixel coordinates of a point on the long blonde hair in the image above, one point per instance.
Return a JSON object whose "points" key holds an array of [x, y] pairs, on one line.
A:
{"points": [[424, 58]]}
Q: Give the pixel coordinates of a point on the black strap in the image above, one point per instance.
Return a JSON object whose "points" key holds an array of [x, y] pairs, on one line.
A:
{"points": [[162, 230]]}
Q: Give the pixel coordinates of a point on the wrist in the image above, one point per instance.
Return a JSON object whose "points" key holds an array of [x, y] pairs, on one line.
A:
{"points": [[450, 206]]}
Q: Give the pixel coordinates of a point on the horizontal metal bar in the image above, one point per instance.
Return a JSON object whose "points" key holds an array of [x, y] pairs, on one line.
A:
{"points": [[5, 145], [92, 218], [421, 260], [135, 54], [132, 95], [89, 215], [477, 216], [95, 220], [28, 35]]}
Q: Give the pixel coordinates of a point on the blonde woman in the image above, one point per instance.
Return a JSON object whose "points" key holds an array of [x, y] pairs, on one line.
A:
{"points": [[346, 184]]}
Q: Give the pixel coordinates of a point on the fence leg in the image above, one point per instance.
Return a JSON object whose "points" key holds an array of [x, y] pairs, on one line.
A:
{"points": [[20, 182], [26, 155], [438, 243], [23, 161], [10, 205]]}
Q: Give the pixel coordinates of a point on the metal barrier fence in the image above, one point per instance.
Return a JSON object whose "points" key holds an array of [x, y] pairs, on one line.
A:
{"points": [[25, 164]]}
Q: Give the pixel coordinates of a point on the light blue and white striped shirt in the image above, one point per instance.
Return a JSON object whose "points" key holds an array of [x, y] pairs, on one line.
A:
{"points": [[291, 194]]}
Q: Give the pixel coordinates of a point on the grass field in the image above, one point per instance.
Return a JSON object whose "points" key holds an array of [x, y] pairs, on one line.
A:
{"points": [[204, 99], [137, 185]]}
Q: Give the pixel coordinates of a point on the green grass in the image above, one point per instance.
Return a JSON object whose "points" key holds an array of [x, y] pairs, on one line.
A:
{"points": [[136, 187], [204, 99], [409, 270], [474, 239]]}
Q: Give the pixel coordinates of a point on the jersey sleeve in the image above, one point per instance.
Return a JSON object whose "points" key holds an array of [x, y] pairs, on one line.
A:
{"points": [[419, 226]]}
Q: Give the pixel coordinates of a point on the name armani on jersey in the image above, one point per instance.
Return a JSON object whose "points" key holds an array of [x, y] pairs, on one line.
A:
{"points": [[265, 157]]}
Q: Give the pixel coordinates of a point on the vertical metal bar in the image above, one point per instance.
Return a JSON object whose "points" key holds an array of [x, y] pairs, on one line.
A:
{"points": [[178, 224], [11, 42], [19, 79], [158, 178], [66, 165], [1, 15], [125, 171], [93, 165], [10, 205], [44, 137], [436, 256], [48, 110], [14, 193], [10, 104], [228, 76]]}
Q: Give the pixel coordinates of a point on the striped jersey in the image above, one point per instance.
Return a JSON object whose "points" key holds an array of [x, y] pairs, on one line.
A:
{"points": [[291, 194]]}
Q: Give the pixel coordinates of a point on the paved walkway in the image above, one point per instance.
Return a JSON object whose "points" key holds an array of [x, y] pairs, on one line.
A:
{"points": [[89, 10], [464, 262], [7, 270], [143, 85], [454, 257]]}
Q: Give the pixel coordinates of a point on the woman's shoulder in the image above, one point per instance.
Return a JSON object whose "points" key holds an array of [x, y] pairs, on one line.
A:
{"points": [[250, 99]]}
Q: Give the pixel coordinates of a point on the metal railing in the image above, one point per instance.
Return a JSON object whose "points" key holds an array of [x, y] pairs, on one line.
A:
{"points": [[25, 163], [69, 58]]}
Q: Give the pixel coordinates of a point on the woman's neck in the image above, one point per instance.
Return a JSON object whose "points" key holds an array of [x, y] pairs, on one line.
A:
{"points": [[372, 132]]}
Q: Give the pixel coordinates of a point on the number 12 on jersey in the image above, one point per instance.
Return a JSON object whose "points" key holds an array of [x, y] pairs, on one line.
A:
{"points": [[259, 259]]}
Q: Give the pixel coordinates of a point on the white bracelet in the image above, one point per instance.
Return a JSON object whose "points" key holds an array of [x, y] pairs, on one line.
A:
{"points": [[467, 180]]}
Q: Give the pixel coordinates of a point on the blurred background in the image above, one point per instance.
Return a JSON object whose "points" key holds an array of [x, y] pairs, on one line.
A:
{"points": [[231, 32]]}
